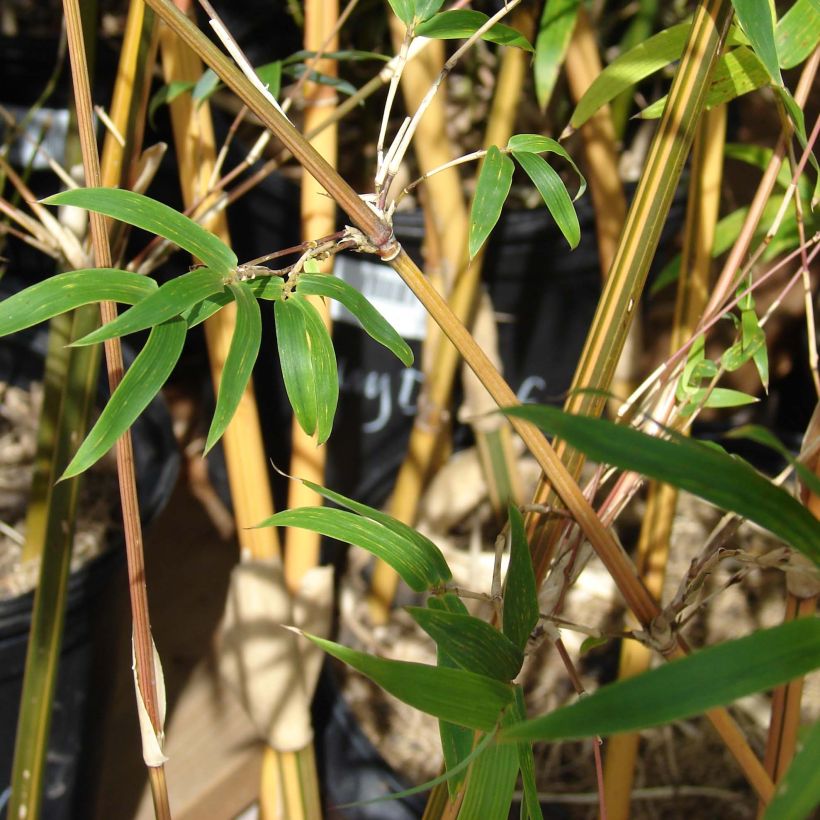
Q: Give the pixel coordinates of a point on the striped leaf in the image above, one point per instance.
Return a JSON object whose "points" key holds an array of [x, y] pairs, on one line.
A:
{"points": [[726, 481], [172, 299], [67, 291], [520, 613], [150, 215]]}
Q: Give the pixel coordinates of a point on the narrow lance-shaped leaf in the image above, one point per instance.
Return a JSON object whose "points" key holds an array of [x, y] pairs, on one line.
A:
{"points": [[554, 33], [424, 9], [711, 677], [554, 194], [325, 375], [492, 779], [205, 86], [172, 299], [414, 566], [494, 181], [142, 381], [459, 24], [439, 571], [372, 322], [797, 33], [531, 805], [470, 700], [520, 613], [456, 741], [757, 19], [726, 481], [798, 793], [67, 291], [296, 362], [536, 144], [247, 337], [403, 9], [737, 73], [471, 643], [150, 215]]}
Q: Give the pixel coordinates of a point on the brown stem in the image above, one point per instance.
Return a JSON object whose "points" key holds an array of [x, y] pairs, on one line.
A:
{"points": [[143, 643]]}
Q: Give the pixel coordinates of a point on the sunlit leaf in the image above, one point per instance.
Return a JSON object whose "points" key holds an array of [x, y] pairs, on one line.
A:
{"points": [[797, 33], [459, 24], [520, 613], [554, 194], [683, 688], [758, 21], [271, 76], [296, 362], [737, 73], [424, 9], [536, 144], [372, 322], [403, 9], [726, 481], [798, 793], [493, 185], [470, 642], [236, 373], [142, 381], [554, 33], [172, 299], [153, 216], [417, 567], [67, 291], [436, 570], [470, 700], [718, 397]]}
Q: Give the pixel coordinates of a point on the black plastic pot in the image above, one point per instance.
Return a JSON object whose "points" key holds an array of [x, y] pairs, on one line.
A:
{"points": [[157, 465]]}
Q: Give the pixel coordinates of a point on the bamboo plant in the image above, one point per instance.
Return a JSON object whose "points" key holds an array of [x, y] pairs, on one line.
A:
{"points": [[474, 688]]}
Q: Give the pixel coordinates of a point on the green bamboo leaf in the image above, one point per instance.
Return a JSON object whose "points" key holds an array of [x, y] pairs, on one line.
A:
{"points": [[628, 69], [341, 85], [531, 805], [167, 94], [142, 381], [415, 566], [348, 54], [536, 144], [439, 571], [403, 9], [520, 613], [737, 73], [205, 86], [67, 291], [470, 643], [554, 193], [757, 19], [325, 374], [266, 287], [554, 33], [798, 793], [493, 185], [465, 698], [797, 33], [459, 24], [761, 435], [726, 481], [152, 216], [456, 741], [492, 779], [424, 9], [172, 299], [296, 362], [372, 322], [202, 311], [719, 397], [236, 373], [683, 688], [271, 75]]}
